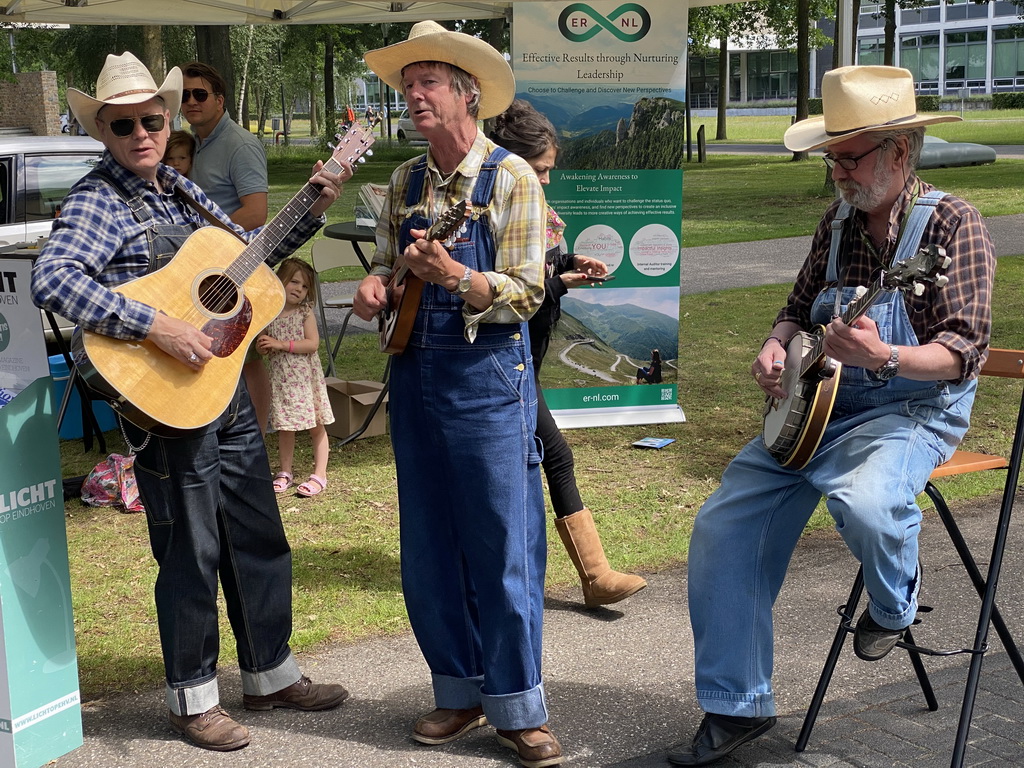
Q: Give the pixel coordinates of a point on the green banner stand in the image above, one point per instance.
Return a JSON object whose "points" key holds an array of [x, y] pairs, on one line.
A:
{"points": [[40, 708]]}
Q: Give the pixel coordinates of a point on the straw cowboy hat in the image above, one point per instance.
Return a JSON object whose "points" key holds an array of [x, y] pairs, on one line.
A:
{"points": [[124, 80], [857, 100], [429, 41]]}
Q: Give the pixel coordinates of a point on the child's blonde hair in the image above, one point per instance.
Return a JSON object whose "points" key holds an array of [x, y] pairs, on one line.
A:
{"points": [[185, 139], [286, 271]]}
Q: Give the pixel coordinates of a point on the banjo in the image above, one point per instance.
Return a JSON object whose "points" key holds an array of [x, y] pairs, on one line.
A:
{"points": [[793, 426]]}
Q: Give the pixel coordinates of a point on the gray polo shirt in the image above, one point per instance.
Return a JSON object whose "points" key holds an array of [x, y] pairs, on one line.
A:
{"points": [[229, 164]]}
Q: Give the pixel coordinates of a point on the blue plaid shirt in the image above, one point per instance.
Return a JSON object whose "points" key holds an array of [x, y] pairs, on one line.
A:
{"points": [[97, 244]]}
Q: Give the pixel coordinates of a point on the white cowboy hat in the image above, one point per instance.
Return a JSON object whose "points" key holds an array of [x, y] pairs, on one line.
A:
{"points": [[859, 99], [123, 80], [429, 41]]}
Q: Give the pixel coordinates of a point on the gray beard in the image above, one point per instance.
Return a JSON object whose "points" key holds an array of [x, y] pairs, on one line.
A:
{"points": [[865, 198]]}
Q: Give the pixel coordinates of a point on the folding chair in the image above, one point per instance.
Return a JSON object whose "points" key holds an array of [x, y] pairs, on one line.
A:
{"points": [[329, 254], [1004, 363]]}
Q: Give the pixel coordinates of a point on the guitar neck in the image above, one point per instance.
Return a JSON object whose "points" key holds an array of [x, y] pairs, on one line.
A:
{"points": [[269, 239], [850, 316]]}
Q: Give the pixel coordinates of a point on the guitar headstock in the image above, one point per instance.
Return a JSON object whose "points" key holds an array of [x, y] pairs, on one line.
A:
{"points": [[911, 274], [351, 146], [449, 223]]}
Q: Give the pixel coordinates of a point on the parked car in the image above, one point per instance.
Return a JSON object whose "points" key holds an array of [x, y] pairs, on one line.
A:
{"points": [[406, 129], [36, 173]]}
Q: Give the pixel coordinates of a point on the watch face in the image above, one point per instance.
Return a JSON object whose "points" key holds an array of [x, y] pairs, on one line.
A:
{"points": [[887, 371]]}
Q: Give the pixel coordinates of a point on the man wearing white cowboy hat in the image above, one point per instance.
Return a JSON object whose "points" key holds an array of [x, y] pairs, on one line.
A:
{"points": [[463, 406], [210, 504], [907, 382]]}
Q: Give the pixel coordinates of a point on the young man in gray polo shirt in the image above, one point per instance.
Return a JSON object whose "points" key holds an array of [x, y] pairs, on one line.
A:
{"points": [[230, 164]]}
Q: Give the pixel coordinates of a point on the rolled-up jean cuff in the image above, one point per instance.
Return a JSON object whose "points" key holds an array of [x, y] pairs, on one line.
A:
{"points": [[271, 680], [737, 704], [456, 692], [515, 711], [185, 700]]}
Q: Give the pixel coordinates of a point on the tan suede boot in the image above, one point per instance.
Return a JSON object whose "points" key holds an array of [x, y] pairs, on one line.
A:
{"points": [[601, 585]]}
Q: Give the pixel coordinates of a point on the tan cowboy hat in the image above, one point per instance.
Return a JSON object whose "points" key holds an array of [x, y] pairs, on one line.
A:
{"points": [[123, 80], [859, 99], [429, 41]]}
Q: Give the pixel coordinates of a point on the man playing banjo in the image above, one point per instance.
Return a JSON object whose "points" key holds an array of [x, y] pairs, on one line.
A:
{"points": [[907, 378]]}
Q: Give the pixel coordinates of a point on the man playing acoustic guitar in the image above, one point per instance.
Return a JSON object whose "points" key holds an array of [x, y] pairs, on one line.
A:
{"points": [[463, 406], [210, 504], [907, 381]]}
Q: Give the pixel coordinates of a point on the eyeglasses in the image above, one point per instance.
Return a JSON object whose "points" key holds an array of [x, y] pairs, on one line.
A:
{"points": [[125, 126], [199, 94], [848, 163]]}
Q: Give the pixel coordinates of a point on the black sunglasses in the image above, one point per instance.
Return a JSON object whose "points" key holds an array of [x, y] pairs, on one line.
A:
{"points": [[125, 126], [199, 94]]}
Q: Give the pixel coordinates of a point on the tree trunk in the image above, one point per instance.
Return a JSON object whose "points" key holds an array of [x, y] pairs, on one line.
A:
{"points": [[803, 64], [890, 32], [330, 103], [721, 132], [213, 45], [153, 52], [314, 123]]}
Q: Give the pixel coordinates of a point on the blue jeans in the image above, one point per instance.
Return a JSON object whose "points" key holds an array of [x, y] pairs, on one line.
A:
{"points": [[472, 517], [212, 512], [870, 467]]}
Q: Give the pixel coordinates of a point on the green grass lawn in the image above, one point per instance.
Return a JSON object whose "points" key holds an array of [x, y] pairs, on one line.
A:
{"points": [[345, 541]]}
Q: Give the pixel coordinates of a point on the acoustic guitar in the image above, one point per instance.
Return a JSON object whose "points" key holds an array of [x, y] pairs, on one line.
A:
{"points": [[793, 426], [221, 286], [404, 290]]}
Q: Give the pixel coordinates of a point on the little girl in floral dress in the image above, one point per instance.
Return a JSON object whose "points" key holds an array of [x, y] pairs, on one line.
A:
{"points": [[299, 394]]}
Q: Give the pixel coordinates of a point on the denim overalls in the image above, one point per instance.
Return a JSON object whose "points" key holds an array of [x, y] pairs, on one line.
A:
{"points": [[879, 448], [471, 503], [211, 509]]}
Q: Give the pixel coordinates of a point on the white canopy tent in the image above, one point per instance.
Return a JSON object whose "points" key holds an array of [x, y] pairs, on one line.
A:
{"points": [[235, 12]]}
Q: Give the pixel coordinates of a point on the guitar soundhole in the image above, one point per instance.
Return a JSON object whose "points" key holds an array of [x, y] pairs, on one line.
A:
{"points": [[218, 294]]}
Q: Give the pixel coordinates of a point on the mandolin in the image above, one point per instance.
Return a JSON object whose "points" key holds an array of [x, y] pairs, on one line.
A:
{"points": [[404, 289]]}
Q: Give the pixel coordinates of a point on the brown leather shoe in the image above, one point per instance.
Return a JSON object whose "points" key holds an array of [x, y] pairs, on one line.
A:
{"points": [[304, 695], [536, 747], [444, 725], [213, 729]]}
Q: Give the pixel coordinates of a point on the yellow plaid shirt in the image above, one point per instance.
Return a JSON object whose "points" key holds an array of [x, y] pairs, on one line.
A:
{"points": [[517, 217]]}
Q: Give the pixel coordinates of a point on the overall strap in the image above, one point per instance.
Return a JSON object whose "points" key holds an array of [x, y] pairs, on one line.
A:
{"points": [[842, 214], [135, 204], [414, 190], [484, 187], [918, 218]]}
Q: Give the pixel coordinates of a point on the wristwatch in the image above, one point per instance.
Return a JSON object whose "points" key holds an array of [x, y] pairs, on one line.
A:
{"points": [[891, 366], [465, 283]]}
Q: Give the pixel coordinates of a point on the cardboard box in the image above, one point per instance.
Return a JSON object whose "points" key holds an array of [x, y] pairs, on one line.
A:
{"points": [[351, 401]]}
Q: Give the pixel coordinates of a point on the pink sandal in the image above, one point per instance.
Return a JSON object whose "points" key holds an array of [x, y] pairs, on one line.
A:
{"points": [[282, 482], [306, 490]]}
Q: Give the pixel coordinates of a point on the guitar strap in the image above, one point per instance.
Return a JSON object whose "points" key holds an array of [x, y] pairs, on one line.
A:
{"points": [[910, 238]]}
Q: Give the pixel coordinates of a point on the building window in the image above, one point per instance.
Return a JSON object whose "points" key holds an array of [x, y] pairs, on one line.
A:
{"points": [[965, 55], [920, 54], [771, 75], [871, 50], [1007, 53], [957, 10], [929, 13]]}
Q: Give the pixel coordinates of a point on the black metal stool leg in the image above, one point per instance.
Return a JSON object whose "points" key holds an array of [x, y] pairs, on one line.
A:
{"points": [[847, 613]]}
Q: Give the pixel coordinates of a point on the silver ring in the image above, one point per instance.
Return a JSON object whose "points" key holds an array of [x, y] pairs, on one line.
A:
{"points": [[193, 358]]}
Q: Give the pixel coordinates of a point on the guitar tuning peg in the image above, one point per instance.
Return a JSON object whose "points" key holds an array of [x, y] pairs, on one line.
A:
{"points": [[361, 160], [368, 152], [337, 137], [946, 261], [859, 291], [941, 281], [918, 289], [331, 147]]}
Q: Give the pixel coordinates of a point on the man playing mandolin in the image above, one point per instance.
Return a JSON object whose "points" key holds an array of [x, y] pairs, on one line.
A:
{"points": [[907, 371], [210, 504], [463, 406]]}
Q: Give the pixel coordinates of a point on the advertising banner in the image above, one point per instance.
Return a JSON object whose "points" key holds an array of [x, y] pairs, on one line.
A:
{"points": [[40, 711], [611, 78]]}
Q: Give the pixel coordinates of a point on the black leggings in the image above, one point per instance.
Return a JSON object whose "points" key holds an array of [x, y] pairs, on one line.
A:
{"points": [[558, 461]]}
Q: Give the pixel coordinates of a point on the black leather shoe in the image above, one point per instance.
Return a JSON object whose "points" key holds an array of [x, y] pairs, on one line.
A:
{"points": [[717, 736], [872, 641]]}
